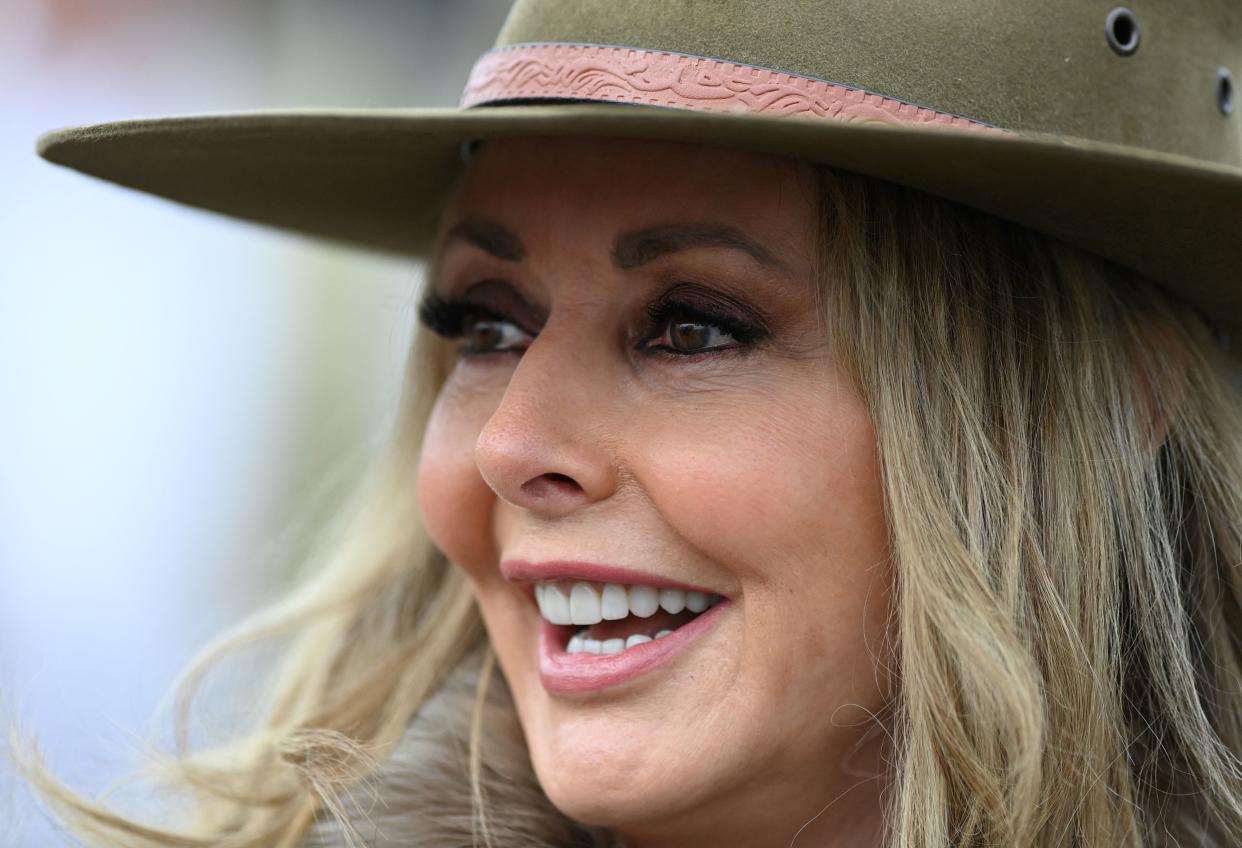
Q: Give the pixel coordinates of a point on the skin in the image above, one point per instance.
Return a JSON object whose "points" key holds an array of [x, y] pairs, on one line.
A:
{"points": [[750, 470]]}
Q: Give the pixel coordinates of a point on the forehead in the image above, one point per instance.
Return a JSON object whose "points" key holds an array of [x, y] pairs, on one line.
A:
{"points": [[547, 188]]}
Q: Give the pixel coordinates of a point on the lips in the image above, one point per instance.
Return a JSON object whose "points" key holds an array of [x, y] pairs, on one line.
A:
{"points": [[602, 626], [565, 673], [525, 571]]}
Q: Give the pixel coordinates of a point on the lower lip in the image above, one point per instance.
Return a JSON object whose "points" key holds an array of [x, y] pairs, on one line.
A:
{"points": [[566, 673]]}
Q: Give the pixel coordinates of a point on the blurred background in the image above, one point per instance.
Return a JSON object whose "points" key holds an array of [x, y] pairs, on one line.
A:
{"points": [[176, 386]]}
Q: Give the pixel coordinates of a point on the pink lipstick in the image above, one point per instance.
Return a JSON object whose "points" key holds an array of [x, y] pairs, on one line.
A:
{"points": [[524, 571], [565, 673], [657, 617]]}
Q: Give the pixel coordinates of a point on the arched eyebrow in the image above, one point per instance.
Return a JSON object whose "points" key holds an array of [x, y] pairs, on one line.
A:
{"points": [[631, 250], [489, 236], [639, 247]]}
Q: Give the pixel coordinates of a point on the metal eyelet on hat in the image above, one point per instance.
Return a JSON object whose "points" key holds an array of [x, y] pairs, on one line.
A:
{"points": [[1123, 31], [1224, 91]]}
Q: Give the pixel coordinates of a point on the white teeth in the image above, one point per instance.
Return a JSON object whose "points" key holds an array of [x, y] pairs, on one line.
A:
{"points": [[644, 601], [615, 603], [584, 605], [553, 604], [672, 600], [612, 646], [590, 603], [580, 643]]}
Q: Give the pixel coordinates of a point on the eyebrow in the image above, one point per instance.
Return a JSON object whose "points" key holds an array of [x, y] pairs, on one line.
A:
{"points": [[488, 236], [639, 247], [632, 249]]}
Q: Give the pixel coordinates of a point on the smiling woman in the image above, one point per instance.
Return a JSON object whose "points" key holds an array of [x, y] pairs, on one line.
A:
{"points": [[741, 499], [645, 426]]}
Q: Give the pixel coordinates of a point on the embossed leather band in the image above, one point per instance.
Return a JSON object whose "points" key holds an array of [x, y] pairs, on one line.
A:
{"points": [[660, 78]]}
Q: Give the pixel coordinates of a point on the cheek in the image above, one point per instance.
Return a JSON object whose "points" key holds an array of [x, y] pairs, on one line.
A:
{"points": [[794, 481], [788, 496], [455, 502]]}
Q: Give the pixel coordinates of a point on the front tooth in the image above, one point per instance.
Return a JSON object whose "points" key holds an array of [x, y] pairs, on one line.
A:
{"points": [[553, 604], [575, 644], [584, 605], [612, 646], [615, 604], [637, 639], [696, 601], [672, 600], [592, 646], [644, 601]]}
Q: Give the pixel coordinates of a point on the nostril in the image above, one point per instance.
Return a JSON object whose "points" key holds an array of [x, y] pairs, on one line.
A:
{"points": [[549, 484]]}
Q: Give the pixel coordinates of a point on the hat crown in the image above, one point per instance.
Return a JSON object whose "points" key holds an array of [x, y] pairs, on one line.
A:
{"points": [[1043, 67]]}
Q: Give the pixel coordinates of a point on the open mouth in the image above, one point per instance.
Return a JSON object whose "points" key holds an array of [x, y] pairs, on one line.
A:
{"points": [[611, 618]]}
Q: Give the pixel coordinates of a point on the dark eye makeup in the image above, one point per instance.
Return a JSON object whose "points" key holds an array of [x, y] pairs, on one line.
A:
{"points": [[681, 314]]}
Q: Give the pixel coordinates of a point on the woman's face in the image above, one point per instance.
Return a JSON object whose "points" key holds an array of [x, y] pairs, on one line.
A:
{"points": [[645, 406]]}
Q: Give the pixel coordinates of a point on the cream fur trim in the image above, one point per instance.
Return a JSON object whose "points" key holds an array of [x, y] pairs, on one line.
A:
{"points": [[421, 797]]}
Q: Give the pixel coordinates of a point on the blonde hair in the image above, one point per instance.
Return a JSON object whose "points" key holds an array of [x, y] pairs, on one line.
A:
{"points": [[1061, 445]]}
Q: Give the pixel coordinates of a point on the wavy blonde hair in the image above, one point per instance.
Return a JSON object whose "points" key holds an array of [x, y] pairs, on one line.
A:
{"points": [[1061, 445]]}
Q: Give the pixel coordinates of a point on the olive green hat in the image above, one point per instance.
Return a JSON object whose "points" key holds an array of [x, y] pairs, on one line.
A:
{"points": [[1111, 127]]}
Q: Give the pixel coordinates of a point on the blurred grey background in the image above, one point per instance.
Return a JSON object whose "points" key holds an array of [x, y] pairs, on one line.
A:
{"points": [[174, 386]]}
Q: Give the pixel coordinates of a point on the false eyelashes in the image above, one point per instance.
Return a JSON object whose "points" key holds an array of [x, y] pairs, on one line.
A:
{"points": [[451, 317], [670, 306]]}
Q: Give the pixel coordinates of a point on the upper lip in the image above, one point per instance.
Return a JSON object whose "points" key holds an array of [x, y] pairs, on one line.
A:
{"points": [[527, 571]]}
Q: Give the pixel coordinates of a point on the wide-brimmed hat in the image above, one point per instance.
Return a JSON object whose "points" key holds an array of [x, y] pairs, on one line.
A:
{"points": [[1110, 127]]}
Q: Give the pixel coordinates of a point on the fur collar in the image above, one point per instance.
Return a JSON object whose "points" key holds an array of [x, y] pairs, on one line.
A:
{"points": [[421, 796]]}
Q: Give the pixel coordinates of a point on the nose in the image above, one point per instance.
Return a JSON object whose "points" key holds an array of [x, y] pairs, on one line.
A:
{"points": [[548, 447]]}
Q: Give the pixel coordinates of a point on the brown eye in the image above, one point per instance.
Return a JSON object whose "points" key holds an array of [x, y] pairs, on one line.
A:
{"points": [[690, 336], [484, 335], [707, 326], [491, 336], [685, 337]]}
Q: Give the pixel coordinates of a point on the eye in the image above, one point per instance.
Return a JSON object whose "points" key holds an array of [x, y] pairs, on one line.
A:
{"points": [[681, 328], [674, 328], [479, 328], [492, 335], [686, 334]]}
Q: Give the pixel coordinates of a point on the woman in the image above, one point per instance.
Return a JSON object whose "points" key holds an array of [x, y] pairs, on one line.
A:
{"points": [[795, 506]]}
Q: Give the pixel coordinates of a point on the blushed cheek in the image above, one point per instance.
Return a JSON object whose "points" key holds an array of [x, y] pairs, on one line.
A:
{"points": [[455, 501], [780, 497], [729, 494], [795, 513]]}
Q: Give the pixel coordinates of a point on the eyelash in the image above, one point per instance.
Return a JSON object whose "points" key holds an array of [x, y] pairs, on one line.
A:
{"points": [[451, 318]]}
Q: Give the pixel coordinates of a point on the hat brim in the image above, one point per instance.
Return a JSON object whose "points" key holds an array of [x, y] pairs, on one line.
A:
{"points": [[377, 178]]}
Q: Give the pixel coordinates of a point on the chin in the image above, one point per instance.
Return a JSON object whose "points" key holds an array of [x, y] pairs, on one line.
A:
{"points": [[612, 766], [600, 789], [630, 744]]}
